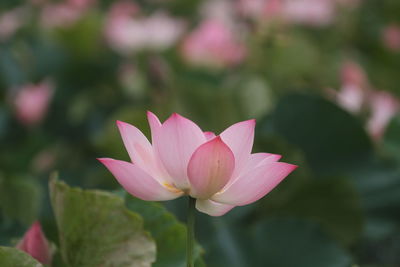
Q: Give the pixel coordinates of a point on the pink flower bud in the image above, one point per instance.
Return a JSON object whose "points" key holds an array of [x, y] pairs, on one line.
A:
{"points": [[32, 101], [351, 98], [383, 107], [35, 243], [352, 73], [353, 93]]}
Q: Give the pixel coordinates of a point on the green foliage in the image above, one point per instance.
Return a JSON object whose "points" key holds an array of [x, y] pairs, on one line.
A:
{"points": [[12, 257], [332, 140], [228, 245], [391, 139], [288, 242], [168, 232], [379, 186], [95, 229], [340, 206], [20, 199], [334, 203], [283, 241]]}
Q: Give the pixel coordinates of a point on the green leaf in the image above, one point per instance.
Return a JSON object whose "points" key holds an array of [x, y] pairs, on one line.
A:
{"points": [[379, 186], [392, 137], [95, 229], [20, 199], [288, 242], [334, 203], [169, 233], [81, 36], [12, 257], [222, 241], [257, 99], [333, 140]]}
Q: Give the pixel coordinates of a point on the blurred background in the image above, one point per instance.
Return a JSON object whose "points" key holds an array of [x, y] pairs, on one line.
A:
{"points": [[320, 76]]}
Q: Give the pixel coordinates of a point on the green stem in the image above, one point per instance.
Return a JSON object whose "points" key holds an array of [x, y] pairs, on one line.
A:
{"points": [[190, 232]]}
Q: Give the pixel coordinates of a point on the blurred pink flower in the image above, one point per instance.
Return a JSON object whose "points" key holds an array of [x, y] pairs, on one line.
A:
{"points": [[59, 15], [10, 22], [123, 9], [221, 10], [310, 12], [32, 101], [352, 73], [127, 33], [383, 107], [83, 4], [76, 3], [273, 8], [64, 14], [219, 171], [353, 92], [35, 243], [162, 30], [260, 9], [213, 44], [391, 37], [351, 98], [251, 8], [356, 95]]}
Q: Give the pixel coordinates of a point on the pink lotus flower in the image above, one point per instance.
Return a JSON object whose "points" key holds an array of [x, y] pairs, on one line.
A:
{"points": [[35, 243], [219, 171], [32, 101], [213, 44]]}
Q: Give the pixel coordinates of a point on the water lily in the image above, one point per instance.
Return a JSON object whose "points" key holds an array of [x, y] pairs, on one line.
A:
{"points": [[35, 244], [220, 172]]}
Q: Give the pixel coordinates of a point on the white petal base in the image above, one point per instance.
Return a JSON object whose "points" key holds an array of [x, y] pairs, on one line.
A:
{"points": [[212, 208]]}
